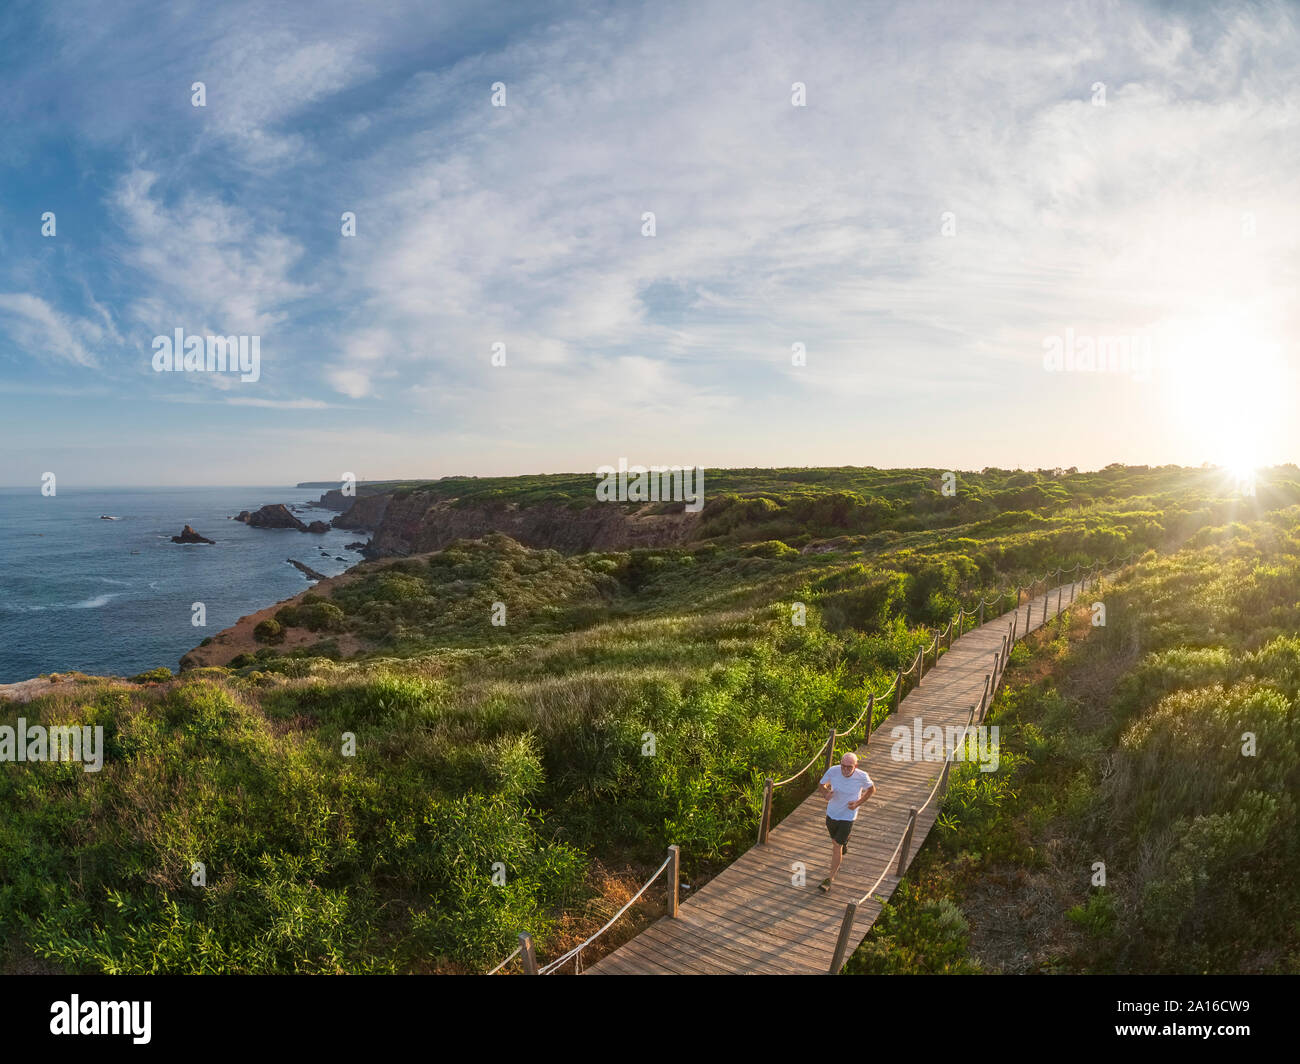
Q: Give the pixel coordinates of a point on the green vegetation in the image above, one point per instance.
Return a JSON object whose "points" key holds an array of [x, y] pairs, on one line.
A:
{"points": [[269, 631], [158, 675], [413, 807], [1165, 745]]}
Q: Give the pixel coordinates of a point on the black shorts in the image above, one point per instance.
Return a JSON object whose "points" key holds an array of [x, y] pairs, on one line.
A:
{"points": [[839, 830]]}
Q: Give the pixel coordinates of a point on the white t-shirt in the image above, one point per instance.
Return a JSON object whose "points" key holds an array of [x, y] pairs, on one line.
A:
{"points": [[844, 789]]}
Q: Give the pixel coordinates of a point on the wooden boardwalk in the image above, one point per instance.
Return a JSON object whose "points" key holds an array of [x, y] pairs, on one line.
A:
{"points": [[751, 918]]}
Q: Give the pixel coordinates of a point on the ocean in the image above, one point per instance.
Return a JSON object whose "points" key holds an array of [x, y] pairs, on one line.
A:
{"points": [[116, 597]]}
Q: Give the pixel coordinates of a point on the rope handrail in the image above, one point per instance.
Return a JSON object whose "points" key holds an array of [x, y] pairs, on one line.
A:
{"points": [[888, 864], [790, 779], [956, 620], [518, 950], [947, 763], [869, 707], [1038, 580], [841, 732], [612, 920], [854, 726]]}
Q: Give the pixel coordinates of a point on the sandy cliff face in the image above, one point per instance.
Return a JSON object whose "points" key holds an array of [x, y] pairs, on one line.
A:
{"points": [[414, 524]]}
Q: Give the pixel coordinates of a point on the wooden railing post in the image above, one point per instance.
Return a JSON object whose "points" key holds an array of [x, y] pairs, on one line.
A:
{"points": [[765, 818], [871, 716], [830, 750], [1018, 591], [907, 842], [1059, 591], [981, 611], [984, 699], [674, 877], [898, 691], [842, 943], [528, 954]]}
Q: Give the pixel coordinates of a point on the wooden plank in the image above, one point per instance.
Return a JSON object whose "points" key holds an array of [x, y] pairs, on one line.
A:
{"points": [[726, 953]]}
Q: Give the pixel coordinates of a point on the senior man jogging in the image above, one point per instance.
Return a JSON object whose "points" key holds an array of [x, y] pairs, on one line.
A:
{"points": [[845, 787]]}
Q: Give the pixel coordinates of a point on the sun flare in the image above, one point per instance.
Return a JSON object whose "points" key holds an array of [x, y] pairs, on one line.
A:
{"points": [[1224, 387]]}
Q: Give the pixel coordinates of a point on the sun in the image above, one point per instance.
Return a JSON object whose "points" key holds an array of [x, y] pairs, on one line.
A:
{"points": [[1241, 477], [1224, 391]]}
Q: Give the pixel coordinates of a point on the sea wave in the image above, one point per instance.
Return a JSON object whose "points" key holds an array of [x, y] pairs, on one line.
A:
{"points": [[85, 604], [93, 603]]}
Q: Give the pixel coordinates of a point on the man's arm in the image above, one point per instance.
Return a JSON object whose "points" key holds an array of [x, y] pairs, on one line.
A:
{"points": [[867, 792]]}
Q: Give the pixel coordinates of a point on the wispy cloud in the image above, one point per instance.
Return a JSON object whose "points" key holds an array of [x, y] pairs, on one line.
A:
{"points": [[522, 225], [38, 329]]}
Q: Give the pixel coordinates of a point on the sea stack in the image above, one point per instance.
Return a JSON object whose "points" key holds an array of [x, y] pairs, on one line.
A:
{"points": [[273, 516], [188, 535]]}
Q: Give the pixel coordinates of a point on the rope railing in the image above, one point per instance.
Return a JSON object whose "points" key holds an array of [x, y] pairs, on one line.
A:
{"points": [[516, 953], [866, 712], [525, 950], [1047, 577], [573, 954], [917, 662], [821, 750]]}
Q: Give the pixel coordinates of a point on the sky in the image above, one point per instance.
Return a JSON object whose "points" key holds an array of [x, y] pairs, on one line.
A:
{"points": [[873, 225]]}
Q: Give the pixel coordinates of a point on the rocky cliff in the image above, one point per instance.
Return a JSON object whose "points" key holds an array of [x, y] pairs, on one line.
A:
{"points": [[334, 499], [365, 511], [415, 524]]}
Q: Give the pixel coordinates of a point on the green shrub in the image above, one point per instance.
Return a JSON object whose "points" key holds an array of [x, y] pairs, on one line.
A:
{"points": [[269, 631], [915, 937], [158, 675], [321, 617]]}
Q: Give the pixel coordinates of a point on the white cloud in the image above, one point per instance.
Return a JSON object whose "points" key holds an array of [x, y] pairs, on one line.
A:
{"points": [[350, 382], [37, 328], [204, 262]]}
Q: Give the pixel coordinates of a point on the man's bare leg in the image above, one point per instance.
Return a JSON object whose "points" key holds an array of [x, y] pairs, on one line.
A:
{"points": [[837, 853]]}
